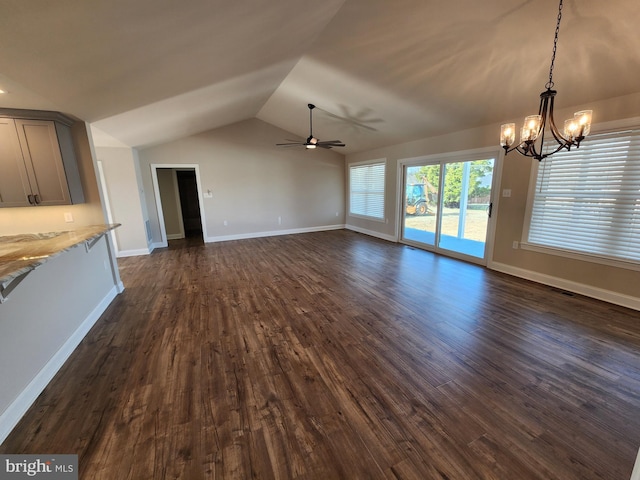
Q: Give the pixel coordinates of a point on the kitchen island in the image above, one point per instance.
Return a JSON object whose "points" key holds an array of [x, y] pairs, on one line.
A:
{"points": [[54, 287], [20, 254]]}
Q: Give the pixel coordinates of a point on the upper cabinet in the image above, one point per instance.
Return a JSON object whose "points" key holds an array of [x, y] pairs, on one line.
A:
{"points": [[38, 164]]}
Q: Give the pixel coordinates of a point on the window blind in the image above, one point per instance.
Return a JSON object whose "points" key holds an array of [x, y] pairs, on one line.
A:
{"points": [[366, 188], [587, 200]]}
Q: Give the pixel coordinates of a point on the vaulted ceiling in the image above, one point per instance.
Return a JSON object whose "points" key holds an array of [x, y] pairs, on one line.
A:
{"points": [[380, 72]]}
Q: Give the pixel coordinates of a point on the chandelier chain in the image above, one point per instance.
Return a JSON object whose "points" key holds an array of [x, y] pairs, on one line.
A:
{"points": [[549, 84]]}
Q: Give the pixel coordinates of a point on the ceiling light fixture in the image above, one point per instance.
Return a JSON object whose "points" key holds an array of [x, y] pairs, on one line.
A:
{"points": [[532, 133], [312, 142]]}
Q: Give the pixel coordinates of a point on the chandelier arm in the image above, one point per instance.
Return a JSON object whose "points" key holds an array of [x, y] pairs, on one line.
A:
{"points": [[527, 151], [554, 129], [533, 152], [548, 154]]}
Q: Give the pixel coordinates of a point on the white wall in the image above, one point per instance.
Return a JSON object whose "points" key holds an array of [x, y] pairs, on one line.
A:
{"points": [[123, 183], [257, 188], [36, 337]]}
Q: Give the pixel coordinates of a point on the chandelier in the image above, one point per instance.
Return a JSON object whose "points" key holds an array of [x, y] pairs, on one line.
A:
{"points": [[533, 131]]}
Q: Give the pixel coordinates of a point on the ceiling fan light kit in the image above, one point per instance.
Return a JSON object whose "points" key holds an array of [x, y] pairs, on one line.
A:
{"points": [[532, 133], [311, 141]]}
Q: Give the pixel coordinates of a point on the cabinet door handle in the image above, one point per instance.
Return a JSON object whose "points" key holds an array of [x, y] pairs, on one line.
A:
{"points": [[37, 198], [30, 198]]}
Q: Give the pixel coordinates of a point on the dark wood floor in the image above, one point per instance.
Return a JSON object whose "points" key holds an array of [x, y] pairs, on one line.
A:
{"points": [[335, 355]]}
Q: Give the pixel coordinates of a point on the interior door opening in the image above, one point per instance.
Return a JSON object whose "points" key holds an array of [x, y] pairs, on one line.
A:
{"points": [[189, 205], [179, 202]]}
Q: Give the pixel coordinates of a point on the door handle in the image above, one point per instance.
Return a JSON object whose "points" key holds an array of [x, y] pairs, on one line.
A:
{"points": [[490, 209]]}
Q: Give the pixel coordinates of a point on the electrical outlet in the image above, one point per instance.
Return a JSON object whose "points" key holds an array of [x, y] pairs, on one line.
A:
{"points": [[225, 223], [68, 217], [279, 220], [506, 192], [516, 244]]}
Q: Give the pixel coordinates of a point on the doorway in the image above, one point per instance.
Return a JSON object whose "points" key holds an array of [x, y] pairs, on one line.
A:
{"points": [[179, 202], [189, 205], [447, 205]]}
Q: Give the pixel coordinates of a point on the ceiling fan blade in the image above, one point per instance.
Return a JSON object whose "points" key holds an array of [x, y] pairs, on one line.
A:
{"points": [[312, 141]]}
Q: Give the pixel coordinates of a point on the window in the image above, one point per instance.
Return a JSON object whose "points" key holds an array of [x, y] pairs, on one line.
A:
{"points": [[588, 200], [366, 190]]}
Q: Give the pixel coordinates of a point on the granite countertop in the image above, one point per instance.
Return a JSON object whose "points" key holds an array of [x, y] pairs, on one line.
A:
{"points": [[19, 254]]}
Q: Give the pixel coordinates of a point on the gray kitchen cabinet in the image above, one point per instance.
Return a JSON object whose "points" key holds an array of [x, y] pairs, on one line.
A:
{"points": [[13, 173], [38, 166]]}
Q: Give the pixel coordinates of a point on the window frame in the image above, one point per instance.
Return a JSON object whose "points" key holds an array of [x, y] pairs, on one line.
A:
{"points": [[368, 163], [525, 244]]}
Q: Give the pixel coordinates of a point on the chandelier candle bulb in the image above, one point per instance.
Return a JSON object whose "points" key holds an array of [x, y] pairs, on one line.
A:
{"points": [[583, 121], [507, 134], [531, 128], [570, 128]]}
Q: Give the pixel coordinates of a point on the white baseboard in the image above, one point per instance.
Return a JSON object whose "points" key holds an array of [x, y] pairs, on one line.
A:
{"points": [[244, 236], [575, 287], [635, 475], [133, 253], [175, 236], [12, 415], [371, 233]]}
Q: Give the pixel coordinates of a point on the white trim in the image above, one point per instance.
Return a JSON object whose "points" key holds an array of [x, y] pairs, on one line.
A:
{"points": [[372, 233], [155, 245], [496, 153], [176, 236], [365, 217], [369, 162], [579, 288], [613, 125], [635, 475], [244, 236], [107, 202], [584, 257], [378, 161], [133, 253], [450, 156], [156, 191], [12, 415]]}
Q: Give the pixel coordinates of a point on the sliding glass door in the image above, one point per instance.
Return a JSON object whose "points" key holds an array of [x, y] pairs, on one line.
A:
{"points": [[447, 206]]}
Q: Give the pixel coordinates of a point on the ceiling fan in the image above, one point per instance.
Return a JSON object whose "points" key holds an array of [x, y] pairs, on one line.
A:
{"points": [[313, 142]]}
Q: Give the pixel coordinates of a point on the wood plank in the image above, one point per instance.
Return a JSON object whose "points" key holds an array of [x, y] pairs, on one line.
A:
{"points": [[336, 355]]}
